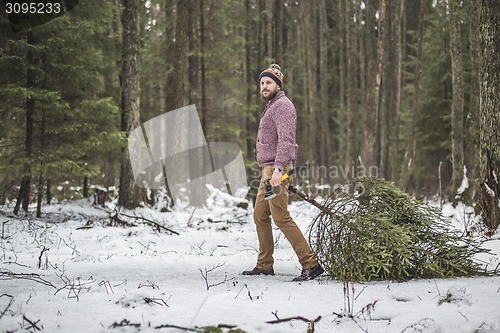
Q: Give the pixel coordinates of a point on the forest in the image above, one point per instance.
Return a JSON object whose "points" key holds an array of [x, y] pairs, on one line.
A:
{"points": [[403, 90]]}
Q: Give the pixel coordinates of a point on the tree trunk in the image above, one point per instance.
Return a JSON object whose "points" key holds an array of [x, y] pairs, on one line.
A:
{"points": [[278, 32], [341, 116], [250, 124], [130, 84], [381, 119], [41, 171], [471, 122], [489, 117], [457, 107], [370, 149], [23, 197], [352, 85], [398, 10], [325, 140], [194, 27], [86, 186], [307, 47], [48, 192], [181, 34], [409, 158]]}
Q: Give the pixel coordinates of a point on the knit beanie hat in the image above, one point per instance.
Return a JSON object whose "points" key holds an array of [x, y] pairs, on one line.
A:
{"points": [[274, 72]]}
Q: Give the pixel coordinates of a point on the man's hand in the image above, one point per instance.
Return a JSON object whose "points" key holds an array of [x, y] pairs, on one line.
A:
{"points": [[276, 178]]}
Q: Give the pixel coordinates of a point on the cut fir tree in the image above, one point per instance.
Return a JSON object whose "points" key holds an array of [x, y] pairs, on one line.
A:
{"points": [[381, 233]]}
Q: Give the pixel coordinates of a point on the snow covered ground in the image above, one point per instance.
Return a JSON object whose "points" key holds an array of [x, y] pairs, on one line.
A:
{"points": [[58, 277]]}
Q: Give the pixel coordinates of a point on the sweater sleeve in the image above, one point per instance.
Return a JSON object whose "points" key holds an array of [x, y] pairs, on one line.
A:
{"points": [[286, 121]]}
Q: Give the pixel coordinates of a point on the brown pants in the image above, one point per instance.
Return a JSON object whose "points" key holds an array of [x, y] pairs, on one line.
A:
{"points": [[277, 208]]}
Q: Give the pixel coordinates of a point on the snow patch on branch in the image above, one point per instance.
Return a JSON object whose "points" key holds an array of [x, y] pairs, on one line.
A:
{"points": [[489, 190]]}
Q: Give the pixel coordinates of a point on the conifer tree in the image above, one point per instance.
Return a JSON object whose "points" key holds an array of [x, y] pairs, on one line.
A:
{"points": [[130, 84], [53, 94]]}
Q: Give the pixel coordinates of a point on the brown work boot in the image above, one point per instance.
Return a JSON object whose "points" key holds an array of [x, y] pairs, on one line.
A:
{"points": [[258, 271], [309, 274]]}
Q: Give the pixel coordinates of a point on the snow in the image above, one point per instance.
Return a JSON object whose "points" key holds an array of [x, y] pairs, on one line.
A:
{"points": [[136, 279], [464, 185]]}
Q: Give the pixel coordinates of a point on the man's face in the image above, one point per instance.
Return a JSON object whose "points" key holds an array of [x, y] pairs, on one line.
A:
{"points": [[268, 88]]}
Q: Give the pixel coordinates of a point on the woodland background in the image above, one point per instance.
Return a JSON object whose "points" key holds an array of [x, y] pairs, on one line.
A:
{"points": [[407, 87]]}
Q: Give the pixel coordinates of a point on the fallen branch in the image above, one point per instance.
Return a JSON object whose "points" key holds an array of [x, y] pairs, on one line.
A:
{"points": [[310, 323], [75, 287], [187, 329], [152, 223], [236, 219], [8, 275]]}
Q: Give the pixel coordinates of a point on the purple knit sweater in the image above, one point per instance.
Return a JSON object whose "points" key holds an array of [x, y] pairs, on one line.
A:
{"points": [[276, 136]]}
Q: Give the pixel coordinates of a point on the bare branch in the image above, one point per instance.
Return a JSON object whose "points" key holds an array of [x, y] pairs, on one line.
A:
{"points": [[187, 329], [151, 223], [33, 324], [8, 275], [205, 273], [11, 301], [310, 323]]}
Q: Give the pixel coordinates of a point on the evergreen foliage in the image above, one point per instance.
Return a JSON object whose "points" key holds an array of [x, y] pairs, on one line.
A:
{"points": [[75, 120], [382, 233], [434, 125]]}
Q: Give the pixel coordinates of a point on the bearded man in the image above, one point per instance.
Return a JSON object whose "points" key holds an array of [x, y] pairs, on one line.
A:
{"points": [[276, 154]]}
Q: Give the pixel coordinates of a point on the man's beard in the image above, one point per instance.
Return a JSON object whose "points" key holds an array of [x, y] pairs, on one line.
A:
{"points": [[269, 97]]}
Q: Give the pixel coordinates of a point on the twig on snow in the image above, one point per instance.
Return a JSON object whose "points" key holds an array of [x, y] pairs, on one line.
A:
{"points": [[148, 284], [75, 287], [187, 329], [151, 223], [123, 323], [159, 301], [32, 324], [310, 323], [106, 285], [205, 273], [45, 249], [8, 275], [8, 305]]}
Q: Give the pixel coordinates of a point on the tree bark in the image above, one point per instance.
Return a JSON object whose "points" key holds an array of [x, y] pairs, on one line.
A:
{"points": [[381, 120], [181, 44], [409, 158], [489, 117], [278, 32], [457, 107], [130, 84], [398, 9], [471, 123], [341, 116], [41, 171], [325, 140], [370, 147], [23, 197], [352, 85], [307, 49]]}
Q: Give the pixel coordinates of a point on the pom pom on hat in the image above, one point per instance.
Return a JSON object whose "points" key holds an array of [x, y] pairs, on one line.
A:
{"points": [[275, 73]]}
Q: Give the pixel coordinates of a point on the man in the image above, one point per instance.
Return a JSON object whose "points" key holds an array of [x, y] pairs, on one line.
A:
{"points": [[276, 154]]}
